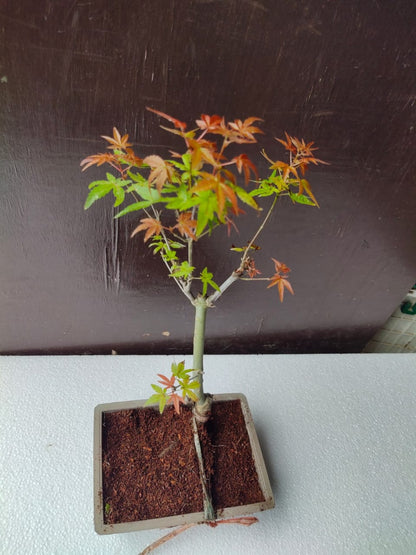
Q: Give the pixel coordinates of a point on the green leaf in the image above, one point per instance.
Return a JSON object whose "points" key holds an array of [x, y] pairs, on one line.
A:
{"points": [[144, 191], [176, 369], [183, 271], [179, 371], [98, 192], [169, 255], [153, 400], [176, 245], [157, 388], [206, 278], [133, 208], [110, 177], [119, 195], [246, 197], [160, 398], [99, 182], [162, 404], [301, 199], [206, 210]]}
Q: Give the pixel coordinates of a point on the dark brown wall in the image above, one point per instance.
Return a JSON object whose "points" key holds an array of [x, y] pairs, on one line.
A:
{"points": [[339, 73]]}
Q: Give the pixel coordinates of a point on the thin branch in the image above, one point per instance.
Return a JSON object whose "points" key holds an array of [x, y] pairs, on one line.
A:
{"points": [[260, 229], [255, 279], [240, 271], [225, 285], [184, 290]]}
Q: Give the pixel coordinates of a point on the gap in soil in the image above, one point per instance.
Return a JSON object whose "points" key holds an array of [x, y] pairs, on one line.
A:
{"points": [[150, 468]]}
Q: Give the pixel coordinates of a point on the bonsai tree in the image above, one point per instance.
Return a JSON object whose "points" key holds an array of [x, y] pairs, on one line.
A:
{"points": [[185, 197]]}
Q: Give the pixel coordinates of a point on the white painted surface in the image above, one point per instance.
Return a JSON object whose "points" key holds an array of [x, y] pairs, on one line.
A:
{"points": [[338, 433]]}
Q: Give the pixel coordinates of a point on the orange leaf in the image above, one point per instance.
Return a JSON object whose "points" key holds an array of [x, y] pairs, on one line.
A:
{"points": [[152, 227], [97, 159], [243, 131], [161, 170], [117, 142], [209, 123], [176, 400], [244, 163], [177, 123], [186, 225]]}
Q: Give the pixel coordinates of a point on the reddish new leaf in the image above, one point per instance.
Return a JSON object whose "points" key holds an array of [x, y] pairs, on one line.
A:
{"points": [[167, 382], [250, 268], [177, 123], [209, 123], [279, 279], [244, 164], [176, 400]]}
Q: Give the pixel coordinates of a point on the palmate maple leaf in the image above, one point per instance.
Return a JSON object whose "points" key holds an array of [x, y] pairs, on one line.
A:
{"points": [[209, 123], [279, 279], [244, 164], [117, 142], [161, 171], [152, 227], [167, 382], [243, 131], [177, 400], [222, 191], [98, 159], [186, 225], [302, 151]]}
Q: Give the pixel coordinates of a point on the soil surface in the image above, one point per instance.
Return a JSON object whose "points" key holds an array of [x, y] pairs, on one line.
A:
{"points": [[150, 468]]}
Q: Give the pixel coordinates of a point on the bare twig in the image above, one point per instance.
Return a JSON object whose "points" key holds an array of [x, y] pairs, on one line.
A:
{"points": [[244, 257]]}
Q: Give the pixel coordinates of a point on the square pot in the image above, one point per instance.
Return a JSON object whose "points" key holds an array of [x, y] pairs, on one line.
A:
{"points": [[101, 527]]}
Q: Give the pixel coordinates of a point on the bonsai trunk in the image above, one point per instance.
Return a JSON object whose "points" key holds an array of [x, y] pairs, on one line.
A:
{"points": [[204, 401]]}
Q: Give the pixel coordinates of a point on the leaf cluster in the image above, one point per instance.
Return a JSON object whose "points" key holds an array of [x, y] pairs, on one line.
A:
{"points": [[187, 195], [167, 391]]}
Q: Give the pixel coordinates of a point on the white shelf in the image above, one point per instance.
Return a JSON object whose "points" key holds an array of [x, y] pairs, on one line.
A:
{"points": [[338, 433]]}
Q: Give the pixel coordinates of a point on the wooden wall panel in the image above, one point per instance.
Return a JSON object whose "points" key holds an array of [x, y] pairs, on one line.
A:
{"points": [[339, 73]]}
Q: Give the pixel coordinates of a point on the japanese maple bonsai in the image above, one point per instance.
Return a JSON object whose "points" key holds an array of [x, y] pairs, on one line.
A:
{"points": [[185, 197]]}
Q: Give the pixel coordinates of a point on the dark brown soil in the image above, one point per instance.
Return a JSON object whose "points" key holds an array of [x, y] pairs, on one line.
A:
{"points": [[150, 468]]}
